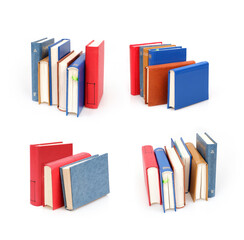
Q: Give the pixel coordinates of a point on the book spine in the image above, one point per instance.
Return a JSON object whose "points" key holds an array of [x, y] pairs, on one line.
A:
{"points": [[134, 72], [141, 72]]}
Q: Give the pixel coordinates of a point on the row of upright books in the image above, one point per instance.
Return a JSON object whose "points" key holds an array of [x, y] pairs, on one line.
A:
{"points": [[59, 178], [65, 78], [161, 74], [172, 172]]}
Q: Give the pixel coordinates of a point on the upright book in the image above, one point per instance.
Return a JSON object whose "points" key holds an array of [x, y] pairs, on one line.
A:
{"points": [[151, 174], [56, 51], [39, 50], [207, 147], [188, 85], [85, 181], [40, 154], [166, 180], [53, 195], [94, 69]]}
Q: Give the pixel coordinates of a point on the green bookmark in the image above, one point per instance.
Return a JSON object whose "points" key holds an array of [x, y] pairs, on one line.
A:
{"points": [[75, 78], [166, 181]]}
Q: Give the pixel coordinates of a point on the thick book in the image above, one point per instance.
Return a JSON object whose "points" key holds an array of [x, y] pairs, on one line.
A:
{"points": [[199, 175], [151, 175], [40, 154], [188, 85], [166, 180], [157, 82], [75, 96], [207, 147], [39, 50], [43, 81], [56, 51], [134, 67], [62, 65], [85, 181], [94, 70], [53, 195], [186, 158]]}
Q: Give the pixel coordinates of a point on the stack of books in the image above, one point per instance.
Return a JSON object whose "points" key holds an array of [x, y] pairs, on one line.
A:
{"points": [[65, 78], [171, 172], [59, 178], [161, 74]]}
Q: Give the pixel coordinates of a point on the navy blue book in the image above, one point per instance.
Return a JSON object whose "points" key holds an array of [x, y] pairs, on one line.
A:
{"points": [[75, 96], [166, 180], [39, 50], [188, 85], [207, 147], [56, 51], [166, 55], [85, 181]]}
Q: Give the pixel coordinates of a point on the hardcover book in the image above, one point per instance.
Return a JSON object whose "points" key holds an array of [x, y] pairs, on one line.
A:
{"points": [[166, 180], [53, 195], [188, 85], [94, 69], [56, 51], [151, 174], [207, 147], [39, 50], [40, 154], [85, 181]]}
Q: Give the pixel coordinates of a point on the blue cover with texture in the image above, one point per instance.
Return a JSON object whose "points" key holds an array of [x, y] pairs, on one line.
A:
{"points": [[191, 84], [79, 63], [209, 153], [166, 55], [63, 50], [39, 50], [164, 166], [89, 180]]}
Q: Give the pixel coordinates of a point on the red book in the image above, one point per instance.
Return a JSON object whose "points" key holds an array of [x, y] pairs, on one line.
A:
{"points": [[151, 174], [53, 195], [40, 154], [135, 67], [94, 71]]}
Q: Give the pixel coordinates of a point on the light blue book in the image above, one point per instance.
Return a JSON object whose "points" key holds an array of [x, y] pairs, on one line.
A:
{"points": [[85, 181]]}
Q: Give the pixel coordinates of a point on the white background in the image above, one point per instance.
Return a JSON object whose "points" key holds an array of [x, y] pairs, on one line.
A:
{"points": [[210, 30]]}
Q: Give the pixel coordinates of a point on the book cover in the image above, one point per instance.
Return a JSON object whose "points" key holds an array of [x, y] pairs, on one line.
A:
{"points": [[188, 85], [208, 150], [41, 154], [85, 181], [39, 50]]}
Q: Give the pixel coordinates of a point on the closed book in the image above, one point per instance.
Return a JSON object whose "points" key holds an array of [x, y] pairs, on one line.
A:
{"points": [[94, 69], [39, 50], [85, 181], [207, 147], [151, 175], [40, 154], [75, 100], [157, 82], [199, 175], [53, 195], [166, 180], [56, 51], [188, 85], [134, 67]]}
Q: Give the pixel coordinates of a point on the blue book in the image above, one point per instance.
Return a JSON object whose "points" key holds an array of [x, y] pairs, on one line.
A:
{"points": [[75, 91], [188, 85], [85, 181], [56, 51], [166, 55], [166, 180], [207, 147], [39, 50]]}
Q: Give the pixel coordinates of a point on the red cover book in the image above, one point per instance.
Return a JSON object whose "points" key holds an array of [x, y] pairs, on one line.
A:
{"points": [[135, 68], [41, 154], [149, 161], [53, 196], [94, 73]]}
